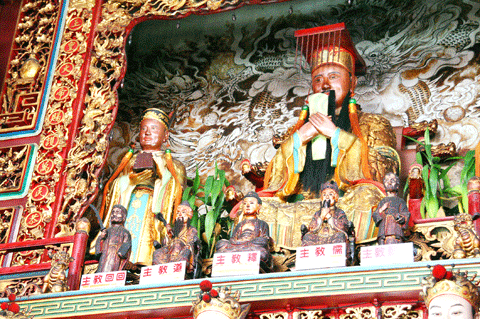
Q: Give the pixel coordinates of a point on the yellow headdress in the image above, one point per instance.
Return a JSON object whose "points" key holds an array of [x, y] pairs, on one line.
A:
{"points": [[157, 114], [329, 44], [443, 282], [213, 304]]}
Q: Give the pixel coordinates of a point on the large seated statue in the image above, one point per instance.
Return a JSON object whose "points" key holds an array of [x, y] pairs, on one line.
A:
{"points": [[334, 140], [151, 182], [250, 234]]}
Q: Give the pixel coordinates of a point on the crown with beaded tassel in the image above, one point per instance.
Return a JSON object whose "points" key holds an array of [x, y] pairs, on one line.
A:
{"points": [[218, 304], [443, 282]]}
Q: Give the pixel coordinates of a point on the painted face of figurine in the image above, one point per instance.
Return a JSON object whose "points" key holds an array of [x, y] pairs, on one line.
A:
{"points": [[184, 213], [450, 307], [330, 195], [333, 77], [251, 206], [152, 135], [118, 216], [391, 182]]}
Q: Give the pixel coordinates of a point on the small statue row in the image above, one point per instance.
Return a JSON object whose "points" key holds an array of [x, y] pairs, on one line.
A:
{"points": [[181, 243]]}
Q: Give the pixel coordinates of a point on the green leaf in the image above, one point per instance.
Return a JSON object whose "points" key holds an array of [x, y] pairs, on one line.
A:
{"points": [[186, 193], [194, 221], [216, 190], [196, 181], [210, 221], [418, 157], [433, 181], [208, 188]]}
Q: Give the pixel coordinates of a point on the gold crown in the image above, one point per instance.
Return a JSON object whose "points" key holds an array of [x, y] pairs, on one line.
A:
{"points": [[157, 114], [221, 304], [457, 284], [336, 55]]}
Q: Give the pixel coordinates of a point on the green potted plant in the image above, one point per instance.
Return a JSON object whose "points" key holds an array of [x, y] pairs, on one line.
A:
{"points": [[437, 183], [210, 211]]}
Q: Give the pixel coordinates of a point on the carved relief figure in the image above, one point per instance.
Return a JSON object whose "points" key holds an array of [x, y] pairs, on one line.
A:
{"points": [[466, 243], [114, 244], [392, 215], [56, 279], [250, 234], [330, 224], [181, 242], [150, 183]]}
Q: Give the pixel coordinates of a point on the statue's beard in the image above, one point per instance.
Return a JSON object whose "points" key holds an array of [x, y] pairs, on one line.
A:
{"points": [[179, 225]]}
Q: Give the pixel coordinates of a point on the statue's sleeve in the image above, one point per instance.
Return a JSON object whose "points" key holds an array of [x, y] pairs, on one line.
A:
{"points": [[341, 220], [376, 216], [346, 156], [287, 163]]}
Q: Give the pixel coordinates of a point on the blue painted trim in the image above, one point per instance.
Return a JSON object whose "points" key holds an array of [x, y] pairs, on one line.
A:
{"points": [[28, 176], [296, 147], [48, 84]]}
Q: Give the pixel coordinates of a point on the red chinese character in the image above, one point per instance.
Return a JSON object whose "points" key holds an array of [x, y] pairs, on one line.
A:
{"points": [[338, 250], [109, 277], [97, 279], [177, 267], [147, 272], [121, 276], [235, 258], [319, 251], [367, 253], [304, 253], [162, 270], [86, 281], [252, 257], [220, 260], [379, 251], [390, 251]]}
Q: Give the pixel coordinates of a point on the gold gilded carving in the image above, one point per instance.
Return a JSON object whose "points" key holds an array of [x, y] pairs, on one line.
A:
{"points": [[400, 312], [274, 315], [25, 78], [13, 166], [56, 279], [438, 234], [21, 287], [308, 314], [359, 313], [466, 243]]}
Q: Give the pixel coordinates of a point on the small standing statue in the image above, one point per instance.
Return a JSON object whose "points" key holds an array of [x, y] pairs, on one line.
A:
{"points": [[114, 243], [251, 234], [181, 242], [450, 295], [392, 215], [330, 224]]}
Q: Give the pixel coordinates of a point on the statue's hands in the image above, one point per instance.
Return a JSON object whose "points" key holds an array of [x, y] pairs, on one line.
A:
{"points": [[318, 123], [103, 234], [384, 207], [400, 219], [140, 177], [323, 124], [325, 213], [169, 230]]}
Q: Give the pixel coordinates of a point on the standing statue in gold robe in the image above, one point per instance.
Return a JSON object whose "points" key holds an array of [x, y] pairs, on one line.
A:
{"points": [[150, 183]]}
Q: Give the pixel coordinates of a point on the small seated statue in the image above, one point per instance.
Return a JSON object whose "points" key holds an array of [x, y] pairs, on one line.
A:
{"points": [[250, 234], [114, 243], [181, 242], [392, 214], [330, 224]]}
